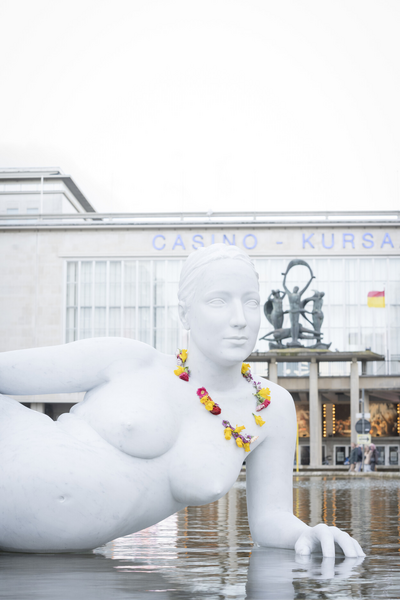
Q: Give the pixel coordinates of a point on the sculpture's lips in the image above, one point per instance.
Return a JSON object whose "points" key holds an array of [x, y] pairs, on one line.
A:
{"points": [[240, 338]]}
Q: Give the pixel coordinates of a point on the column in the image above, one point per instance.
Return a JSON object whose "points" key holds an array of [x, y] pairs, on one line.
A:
{"points": [[38, 406], [315, 417], [354, 397], [366, 401], [273, 371]]}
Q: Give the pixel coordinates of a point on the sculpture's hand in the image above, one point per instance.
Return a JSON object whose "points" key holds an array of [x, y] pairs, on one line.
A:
{"points": [[323, 537]]}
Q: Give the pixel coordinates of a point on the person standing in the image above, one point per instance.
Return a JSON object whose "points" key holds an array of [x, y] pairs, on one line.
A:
{"points": [[353, 458], [367, 459], [373, 459]]}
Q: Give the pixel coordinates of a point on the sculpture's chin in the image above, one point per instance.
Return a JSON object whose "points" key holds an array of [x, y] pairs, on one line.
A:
{"points": [[233, 355]]}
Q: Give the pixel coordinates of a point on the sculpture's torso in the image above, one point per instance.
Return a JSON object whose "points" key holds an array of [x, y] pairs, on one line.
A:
{"points": [[137, 449]]}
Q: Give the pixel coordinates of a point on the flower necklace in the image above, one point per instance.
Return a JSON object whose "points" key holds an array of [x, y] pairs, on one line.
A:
{"points": [[263, 396]]}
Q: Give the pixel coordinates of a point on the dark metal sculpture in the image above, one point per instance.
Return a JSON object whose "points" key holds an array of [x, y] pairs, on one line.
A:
{"points": [[273, 310]]}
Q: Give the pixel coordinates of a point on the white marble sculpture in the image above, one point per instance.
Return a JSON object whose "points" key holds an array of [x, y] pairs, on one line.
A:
{"points": [[141, 445]]}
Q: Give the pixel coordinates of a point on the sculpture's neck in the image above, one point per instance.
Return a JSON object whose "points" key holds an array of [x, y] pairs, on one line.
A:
{"points": [[206, 373]]}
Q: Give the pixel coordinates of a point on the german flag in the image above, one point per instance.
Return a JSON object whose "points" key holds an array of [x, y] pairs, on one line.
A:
{"points": [[376, 299]]}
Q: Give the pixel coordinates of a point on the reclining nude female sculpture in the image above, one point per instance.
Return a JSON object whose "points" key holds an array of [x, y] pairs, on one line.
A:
{"points": [[152, 436]]}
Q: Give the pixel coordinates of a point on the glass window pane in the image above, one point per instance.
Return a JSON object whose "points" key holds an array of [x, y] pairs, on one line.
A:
{"points": [[129, 329], [380, 269], [262, 267], [393, 293], [86, 283], [99, 322], [394, 269], [71, 325], [114, 326], [351, 269], [115, 283], [144, 325], [100, 288], [335, 293], [336, 270], [71, 294], [159, 282], [130, 283], [86, 323], [144, 282], [365, 267], [71, 272], [321, 269]]}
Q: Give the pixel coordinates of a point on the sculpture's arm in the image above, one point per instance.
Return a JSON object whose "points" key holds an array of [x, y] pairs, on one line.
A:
{"points": [[306, 286], [284, 283], [269, 475], [75, 367]]}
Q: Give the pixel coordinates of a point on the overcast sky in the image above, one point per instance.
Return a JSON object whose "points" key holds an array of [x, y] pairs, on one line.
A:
{"points": [[211, 104]]}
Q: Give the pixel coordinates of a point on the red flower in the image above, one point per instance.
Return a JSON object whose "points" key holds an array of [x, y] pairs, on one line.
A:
{"points": [[202, 392], [184, 376], [216, 410], [263, 405]]}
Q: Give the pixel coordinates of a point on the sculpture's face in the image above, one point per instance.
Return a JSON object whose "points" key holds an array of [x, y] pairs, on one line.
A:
{"points": [[224, 317], [295, 289]]}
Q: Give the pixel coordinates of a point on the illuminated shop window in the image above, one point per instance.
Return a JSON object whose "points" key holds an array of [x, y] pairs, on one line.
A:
{"points": [[341, 420], [384, 419], [303, 418]]}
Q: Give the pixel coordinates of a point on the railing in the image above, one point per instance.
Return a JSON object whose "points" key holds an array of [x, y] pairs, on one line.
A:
{"points": [[295, 217], [337, 369]]}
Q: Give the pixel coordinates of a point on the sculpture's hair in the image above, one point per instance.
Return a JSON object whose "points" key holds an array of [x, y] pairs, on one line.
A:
{"points": [[200, 259]]}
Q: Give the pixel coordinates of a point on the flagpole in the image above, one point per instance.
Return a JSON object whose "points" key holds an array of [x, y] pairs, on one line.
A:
{"points": [[386, 337]]}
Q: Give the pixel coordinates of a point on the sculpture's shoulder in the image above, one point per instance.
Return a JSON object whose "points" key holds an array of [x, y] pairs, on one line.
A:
{"points": [[127, 347], [282, 409], [111, 351]]}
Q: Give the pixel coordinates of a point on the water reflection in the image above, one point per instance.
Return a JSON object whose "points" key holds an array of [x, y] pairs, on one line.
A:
{"points": [[207, 552]]}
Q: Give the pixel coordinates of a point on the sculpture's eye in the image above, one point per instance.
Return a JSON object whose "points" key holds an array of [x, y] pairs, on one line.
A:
{"points": [[252, 303], [216, 302]]}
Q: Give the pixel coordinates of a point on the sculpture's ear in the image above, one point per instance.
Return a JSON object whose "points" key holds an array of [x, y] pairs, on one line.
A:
{"points": [[183, 314]]}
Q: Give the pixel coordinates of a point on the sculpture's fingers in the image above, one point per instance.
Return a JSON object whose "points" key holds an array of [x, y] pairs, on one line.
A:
{"points": [[359, 550], [303, 546], [325, 537], [345, 542]]}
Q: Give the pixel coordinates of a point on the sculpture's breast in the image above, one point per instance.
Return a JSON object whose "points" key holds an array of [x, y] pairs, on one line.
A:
{"points": [[203, 465], [132, 416]]}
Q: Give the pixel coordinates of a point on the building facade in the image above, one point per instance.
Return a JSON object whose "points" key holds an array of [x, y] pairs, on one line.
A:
{"points": [[73, 275]]}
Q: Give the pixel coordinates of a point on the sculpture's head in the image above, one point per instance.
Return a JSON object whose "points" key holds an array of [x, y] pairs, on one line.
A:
{"points": [[295, 289], [219, 302]]}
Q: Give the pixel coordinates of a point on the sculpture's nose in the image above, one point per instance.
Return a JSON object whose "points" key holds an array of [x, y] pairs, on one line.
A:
{"points": [[238, 318]]}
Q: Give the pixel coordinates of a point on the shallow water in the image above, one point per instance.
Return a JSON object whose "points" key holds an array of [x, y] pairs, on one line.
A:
{"points": [[207, 552]]}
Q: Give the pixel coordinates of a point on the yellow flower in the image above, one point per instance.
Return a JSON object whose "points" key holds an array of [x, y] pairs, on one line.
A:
{"points": [[259, 420], [247, 447], [245, 368], [239, 429], [265, 393], [179, 371], [204, 399], [209, 405], [228, 433], [239, 442], [184, 355]]}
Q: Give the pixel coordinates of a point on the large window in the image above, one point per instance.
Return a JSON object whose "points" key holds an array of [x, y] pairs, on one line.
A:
{"points": [[130, 298], [138, 299]]}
